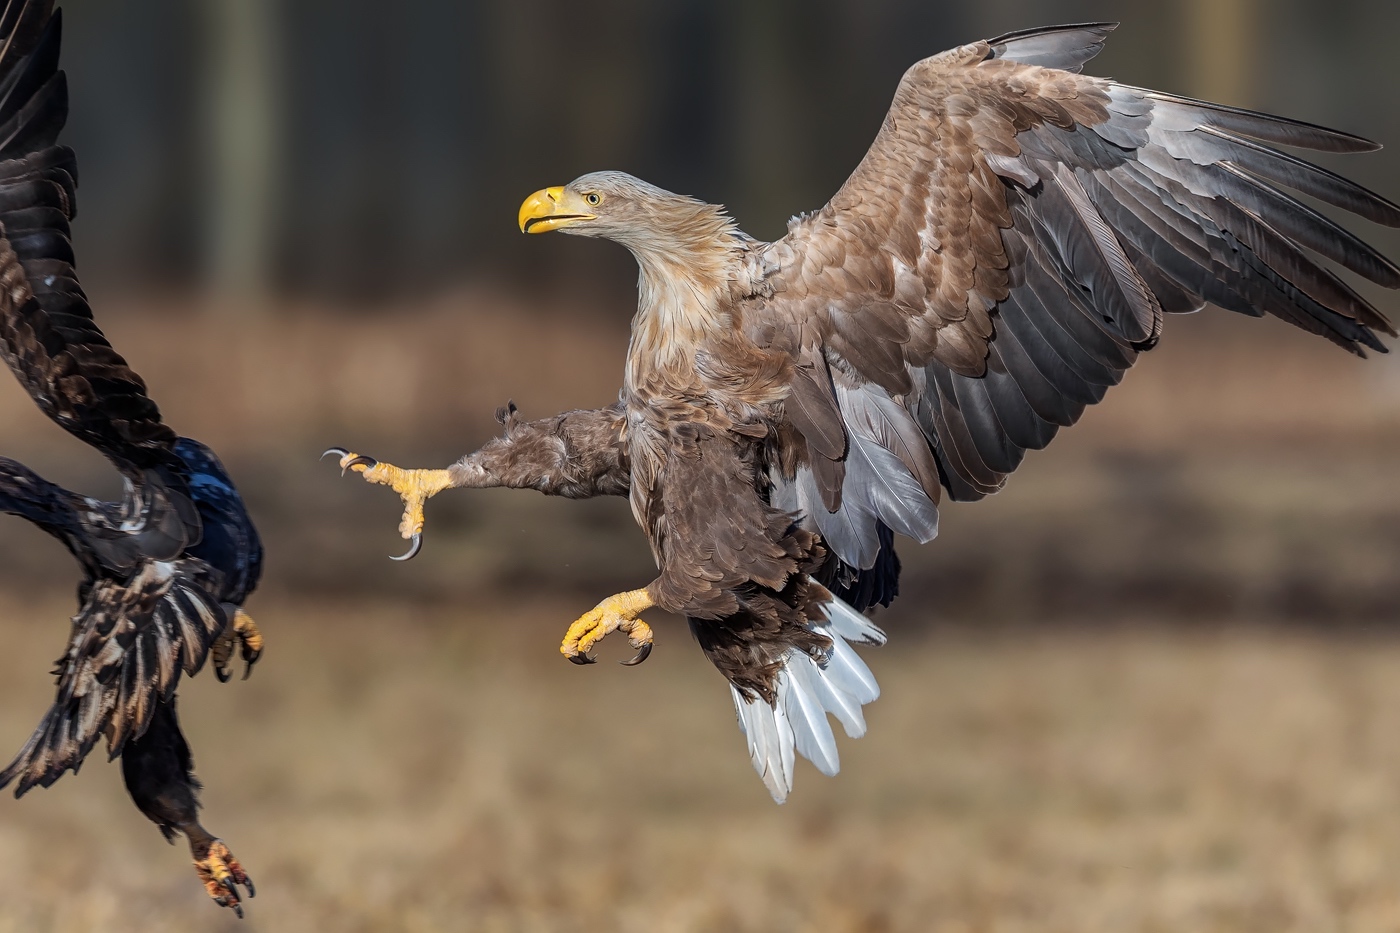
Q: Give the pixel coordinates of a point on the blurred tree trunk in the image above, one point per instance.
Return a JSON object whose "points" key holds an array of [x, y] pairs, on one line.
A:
{"points": [[242, 141], [1223, 39]]}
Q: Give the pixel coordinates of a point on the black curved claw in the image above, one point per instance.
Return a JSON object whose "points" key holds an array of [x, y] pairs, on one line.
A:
{"points": [[342, 453], [238, 910], [413, 549], [250, 657], [230, 884], [248, 883], [224, 674], [582, 659], [642, 654]]}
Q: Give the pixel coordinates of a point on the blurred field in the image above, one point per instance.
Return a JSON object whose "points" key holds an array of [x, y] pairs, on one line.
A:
{"points": [[1154, 685], [401, 769], [1244, 470]]}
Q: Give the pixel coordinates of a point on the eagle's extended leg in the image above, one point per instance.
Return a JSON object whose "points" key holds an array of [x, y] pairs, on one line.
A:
{"points": [[159, 775], [614, 614], [578, 454]]}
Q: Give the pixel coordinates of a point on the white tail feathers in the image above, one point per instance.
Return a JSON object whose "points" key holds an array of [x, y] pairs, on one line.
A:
{"points": [[808, 689]]}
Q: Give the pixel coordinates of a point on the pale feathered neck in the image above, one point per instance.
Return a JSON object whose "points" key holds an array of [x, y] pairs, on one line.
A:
{"points": [[685, 255], [683, 237]]}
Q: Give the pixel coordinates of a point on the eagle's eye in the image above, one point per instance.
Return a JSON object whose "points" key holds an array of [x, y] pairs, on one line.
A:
{"points": [[593, 198]]}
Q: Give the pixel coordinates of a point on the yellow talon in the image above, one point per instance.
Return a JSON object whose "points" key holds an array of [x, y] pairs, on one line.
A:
{"points": [[616, 613], [413, 486], [250, 640]]}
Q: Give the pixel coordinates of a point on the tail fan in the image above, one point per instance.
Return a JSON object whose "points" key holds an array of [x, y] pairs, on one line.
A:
{"points": [[808, 689]]}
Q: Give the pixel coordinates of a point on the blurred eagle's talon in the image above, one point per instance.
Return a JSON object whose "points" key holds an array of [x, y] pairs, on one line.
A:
{"points": [[243, 631], [581, 659], [222, 874], [249, 636], [642, 654]]}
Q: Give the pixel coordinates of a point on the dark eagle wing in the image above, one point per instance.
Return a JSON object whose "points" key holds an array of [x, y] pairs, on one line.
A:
{"points": [[130, 642], [33, 498], [1005, 250], [47, 334]]}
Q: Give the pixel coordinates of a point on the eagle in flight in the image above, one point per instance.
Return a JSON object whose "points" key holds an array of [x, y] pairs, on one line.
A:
{"points": [[166, 569], [1011, 242]]}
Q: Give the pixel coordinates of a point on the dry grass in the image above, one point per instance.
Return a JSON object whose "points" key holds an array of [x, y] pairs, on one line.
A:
{"points": [[391, 768]]}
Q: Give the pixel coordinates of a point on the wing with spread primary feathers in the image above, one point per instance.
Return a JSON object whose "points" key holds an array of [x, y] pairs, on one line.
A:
{"points": [[131, 641], [1008, 246]]}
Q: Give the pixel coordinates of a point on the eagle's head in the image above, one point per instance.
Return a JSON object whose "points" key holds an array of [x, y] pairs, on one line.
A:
{"points": [[650, 221]]}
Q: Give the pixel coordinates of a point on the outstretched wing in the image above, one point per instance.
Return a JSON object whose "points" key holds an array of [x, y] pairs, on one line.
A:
{"points": [[130, 642], [1008, 246], [47, 334]]}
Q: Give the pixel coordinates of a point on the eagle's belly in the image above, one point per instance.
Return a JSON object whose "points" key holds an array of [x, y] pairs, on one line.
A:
{"points": [[699, 403], [697, 492]]}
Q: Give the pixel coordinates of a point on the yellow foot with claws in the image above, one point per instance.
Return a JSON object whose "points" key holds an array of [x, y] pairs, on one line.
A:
{"points": [[222, 874], [614, 614], [244, 631], [413, 486]]}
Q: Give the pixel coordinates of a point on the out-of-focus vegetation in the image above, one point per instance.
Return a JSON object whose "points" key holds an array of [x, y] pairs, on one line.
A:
{"points": [[444, 769], [401, 138]]}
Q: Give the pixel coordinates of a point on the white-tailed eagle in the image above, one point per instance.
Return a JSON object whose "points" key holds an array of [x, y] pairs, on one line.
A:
{"points": [[1011, 242]]}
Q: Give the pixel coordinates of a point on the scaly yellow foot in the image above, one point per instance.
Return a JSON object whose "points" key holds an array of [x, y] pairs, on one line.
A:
{"points": [[222, 874], [244, 631], [616, 613], [413, 486]]}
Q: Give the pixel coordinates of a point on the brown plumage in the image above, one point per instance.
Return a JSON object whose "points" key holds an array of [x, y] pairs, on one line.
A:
{"points": [[167, 568], [1008, 246]]}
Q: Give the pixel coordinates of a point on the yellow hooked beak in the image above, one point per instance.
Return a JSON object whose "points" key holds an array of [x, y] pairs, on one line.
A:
{"points": [[552, 208]]}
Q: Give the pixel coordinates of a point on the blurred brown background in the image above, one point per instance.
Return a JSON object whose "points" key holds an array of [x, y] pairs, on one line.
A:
{"points": [[1150, 686]]}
